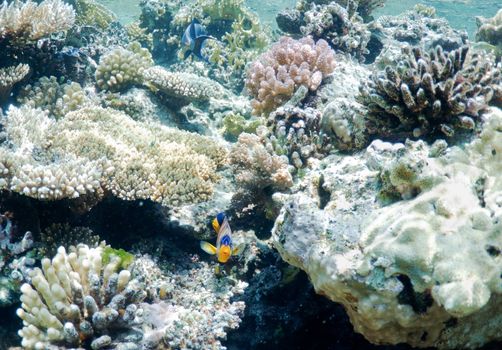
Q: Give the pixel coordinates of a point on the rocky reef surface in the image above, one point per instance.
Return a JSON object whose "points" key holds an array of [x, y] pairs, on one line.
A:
{"points": [[358, 160]]}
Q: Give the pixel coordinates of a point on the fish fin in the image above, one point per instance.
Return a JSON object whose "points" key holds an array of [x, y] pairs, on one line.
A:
{"points": [[192, 28], [208, 247], [205, 37], [195, 21], [187, 53], [237, 250]]}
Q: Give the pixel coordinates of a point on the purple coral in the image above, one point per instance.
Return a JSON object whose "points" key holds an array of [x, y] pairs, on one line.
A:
{"points": [[274, 77]]}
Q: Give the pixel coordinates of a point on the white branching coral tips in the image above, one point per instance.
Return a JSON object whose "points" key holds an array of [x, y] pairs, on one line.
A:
{"points": [[275, 76], [9, 76], [29, 21], [79, 299]]}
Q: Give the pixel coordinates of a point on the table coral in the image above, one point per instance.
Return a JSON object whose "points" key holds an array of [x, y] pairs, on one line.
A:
{"points": [[431, 94], [274, 77], [9, 76], [29, 21], [93, 150], [422, 269], [78, 300]]}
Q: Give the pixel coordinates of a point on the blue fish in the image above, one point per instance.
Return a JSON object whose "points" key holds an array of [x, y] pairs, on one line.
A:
{"points": [[193, 38]]}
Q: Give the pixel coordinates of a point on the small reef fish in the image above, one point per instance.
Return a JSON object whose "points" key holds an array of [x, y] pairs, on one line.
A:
{"points": [[194, 38], [224, 247]]}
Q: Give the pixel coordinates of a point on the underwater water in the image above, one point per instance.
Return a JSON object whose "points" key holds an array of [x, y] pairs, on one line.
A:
{"points": [[250, 175]]}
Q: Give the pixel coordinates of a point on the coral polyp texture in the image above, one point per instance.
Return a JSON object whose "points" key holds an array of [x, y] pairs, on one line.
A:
{"points": [[431, 94], [181, 85], [423, 268], [9, 76], [93, 151], [490, 29], [275, 76], [29, 21], [80, 300], [123, 67]]}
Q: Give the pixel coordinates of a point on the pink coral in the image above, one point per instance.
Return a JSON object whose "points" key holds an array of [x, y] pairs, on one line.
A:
{"points": [[274, 77]]}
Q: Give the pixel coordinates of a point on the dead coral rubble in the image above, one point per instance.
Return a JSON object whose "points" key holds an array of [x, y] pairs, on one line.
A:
{"points": [[431, 94]]}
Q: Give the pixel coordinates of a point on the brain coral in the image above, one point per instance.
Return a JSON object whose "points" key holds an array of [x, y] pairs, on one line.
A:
{"points": [[94, 150], [274, 77]]}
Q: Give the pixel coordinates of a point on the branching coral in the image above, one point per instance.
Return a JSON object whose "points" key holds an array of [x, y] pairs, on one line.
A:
{"points": [[9, 76], [120, 68], [54, 96], [58, 234], [95, 150], [91, 13], [22, 22], [431, 94], [78, 300], [180, 85], [275, 76], [490, 29]]}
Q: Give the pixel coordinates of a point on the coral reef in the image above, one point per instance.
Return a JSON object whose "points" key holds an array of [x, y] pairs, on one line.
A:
{"points": [[9, 76], [78, 300], [91, 13], [235, 124], [57, 235], [180, 85], [54, 96], [23, 22], [121, 68], [275, 76], [194, 307], [432, 94], [396, 265], [93, 150], [490, 29], [15, 259]]}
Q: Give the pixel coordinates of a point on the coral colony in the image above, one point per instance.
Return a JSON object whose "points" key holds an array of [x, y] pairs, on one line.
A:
{"points": [[363, 150]]}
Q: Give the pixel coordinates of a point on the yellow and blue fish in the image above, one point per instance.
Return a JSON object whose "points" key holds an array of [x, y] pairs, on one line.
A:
{"points": [[224, 246]]}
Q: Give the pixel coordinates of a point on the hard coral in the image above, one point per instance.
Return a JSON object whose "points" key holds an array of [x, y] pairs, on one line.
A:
{"points": [[121, 67], [23, 22], [431, 94], [79, 300], [9, 76], [274, 77], [490, 29]]}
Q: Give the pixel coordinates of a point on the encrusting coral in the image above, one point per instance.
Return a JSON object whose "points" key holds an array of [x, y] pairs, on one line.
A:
{"points": [[22, 22], [94, 150], [275, 76], [431, 94], [422, 269], [77, 299], [123, 67], [9, 76]]}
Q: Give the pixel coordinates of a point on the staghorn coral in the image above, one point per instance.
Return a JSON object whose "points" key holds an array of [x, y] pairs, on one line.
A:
{"points": [[78, 300], [23, 22], [9, 76], [120, 68], [54, 96], [431, 94], [94, 150], [275, 76], [180, 85], [423, 269]]}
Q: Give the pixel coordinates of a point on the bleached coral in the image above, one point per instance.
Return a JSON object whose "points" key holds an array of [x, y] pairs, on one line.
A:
{"points": [[186, 86], [274, 77], [123, 67], [56, 97], [29, 21], [422, 269], [9, 76], [80, 300]]}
